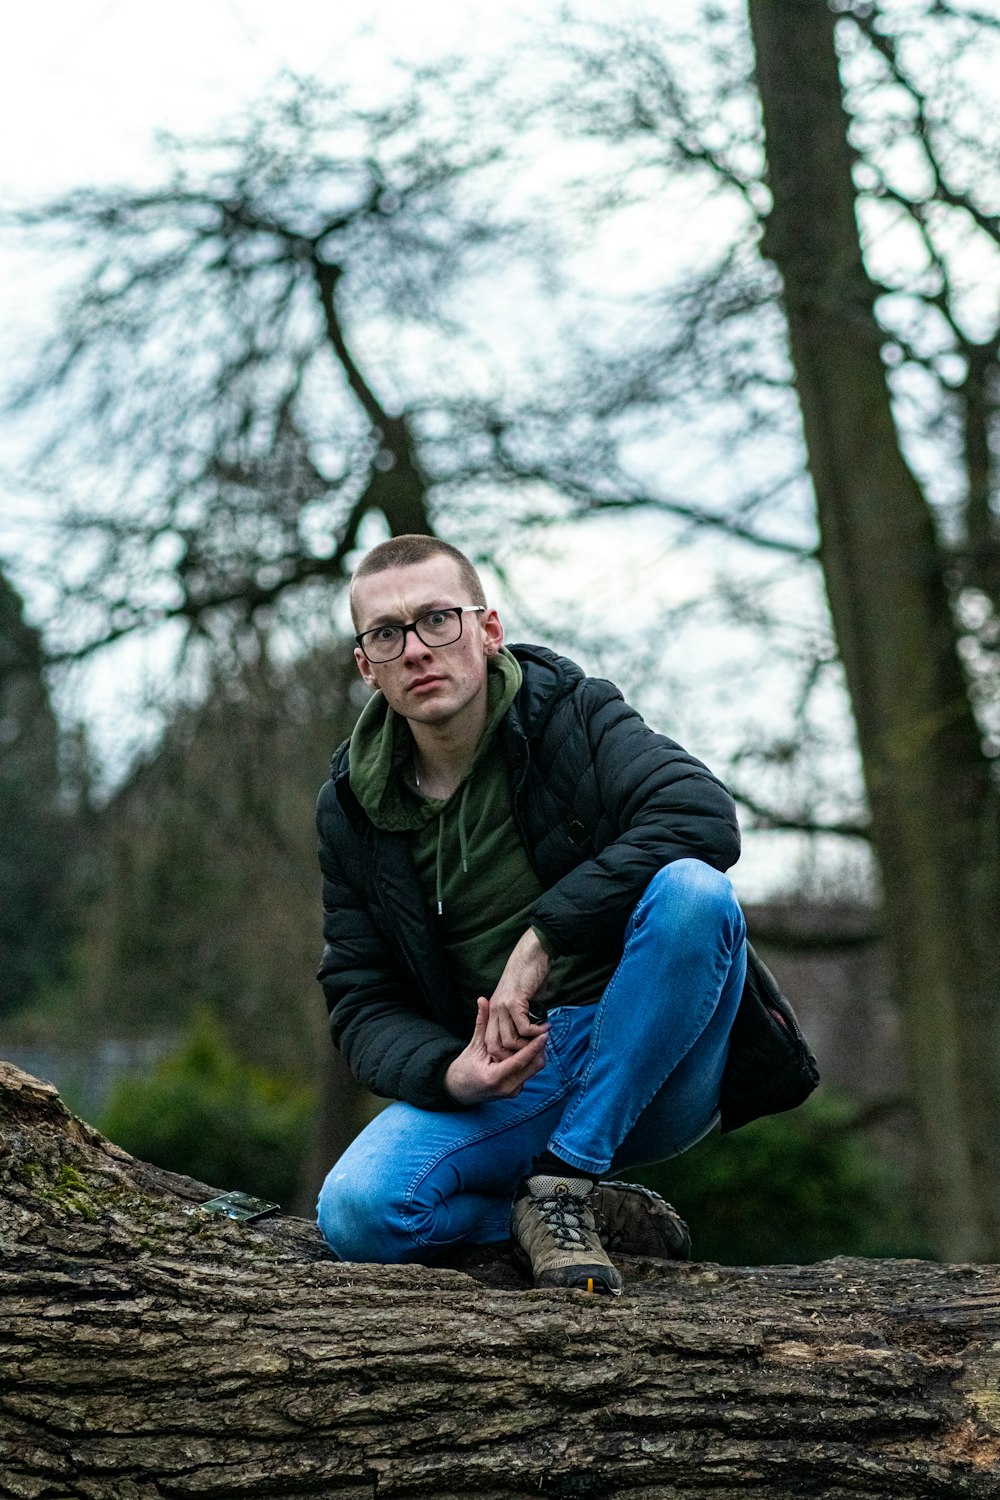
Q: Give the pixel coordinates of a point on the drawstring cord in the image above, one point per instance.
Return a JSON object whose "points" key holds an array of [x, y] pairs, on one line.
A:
{"points": [[463, 844]]}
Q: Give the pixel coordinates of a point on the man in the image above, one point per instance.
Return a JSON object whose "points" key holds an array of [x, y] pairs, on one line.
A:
{"points": [[531, 945]]}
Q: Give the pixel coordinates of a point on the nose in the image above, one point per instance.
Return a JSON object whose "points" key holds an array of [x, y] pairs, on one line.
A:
{"points": [[413, 647]]}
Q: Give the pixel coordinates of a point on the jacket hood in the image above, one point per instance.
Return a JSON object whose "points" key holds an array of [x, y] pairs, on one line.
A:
{"points": [[547, 677], [381, 752]]}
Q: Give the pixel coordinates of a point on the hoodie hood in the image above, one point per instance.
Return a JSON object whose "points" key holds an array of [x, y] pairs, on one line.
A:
{"points": [[381, 753]]}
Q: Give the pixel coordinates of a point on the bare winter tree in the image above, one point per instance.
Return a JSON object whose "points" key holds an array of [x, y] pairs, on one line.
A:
{"points": [[288, 336], [227, 440], [896, 585]]}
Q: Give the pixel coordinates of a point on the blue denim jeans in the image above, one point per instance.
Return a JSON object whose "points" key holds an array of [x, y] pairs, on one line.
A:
{"points": [[632, 1079]]}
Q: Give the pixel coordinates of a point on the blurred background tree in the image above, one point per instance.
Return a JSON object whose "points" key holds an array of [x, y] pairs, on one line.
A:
{"points": [[792, 1189], [340, 311], [202, 899], [900, 582], [211, 1114], [34, 884]]}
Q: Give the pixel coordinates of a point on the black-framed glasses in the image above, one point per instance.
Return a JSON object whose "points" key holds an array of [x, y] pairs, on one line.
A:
{"points": [[439, 627]]}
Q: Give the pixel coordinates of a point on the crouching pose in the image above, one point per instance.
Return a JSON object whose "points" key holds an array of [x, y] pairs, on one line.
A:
{"points": [[531, 946]]}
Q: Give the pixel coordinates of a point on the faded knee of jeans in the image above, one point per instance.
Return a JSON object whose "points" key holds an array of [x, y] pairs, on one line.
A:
{"points": [[359, 1220], [689, 898]]}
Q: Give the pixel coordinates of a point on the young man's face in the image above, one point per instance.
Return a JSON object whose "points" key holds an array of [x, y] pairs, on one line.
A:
{"points": [[429, 684]]}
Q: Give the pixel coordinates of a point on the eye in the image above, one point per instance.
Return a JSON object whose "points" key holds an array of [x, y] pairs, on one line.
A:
{"points": [[385, 633], [437, 617]]}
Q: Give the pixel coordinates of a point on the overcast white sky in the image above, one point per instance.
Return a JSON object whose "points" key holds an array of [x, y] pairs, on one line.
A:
{"points": [[86, 84]]}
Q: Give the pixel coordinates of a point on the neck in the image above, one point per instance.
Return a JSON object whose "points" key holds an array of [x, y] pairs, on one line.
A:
{"points": [[443, 751]]}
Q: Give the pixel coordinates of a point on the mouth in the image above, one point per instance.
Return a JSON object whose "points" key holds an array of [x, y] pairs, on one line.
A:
{"points": [[419, 684]]}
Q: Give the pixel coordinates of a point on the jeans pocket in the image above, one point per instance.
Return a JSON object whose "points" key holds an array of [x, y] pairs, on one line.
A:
{"points": [[569, 1038]]}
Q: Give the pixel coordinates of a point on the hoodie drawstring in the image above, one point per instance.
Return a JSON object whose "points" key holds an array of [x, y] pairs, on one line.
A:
{"points": [[463, 844]]}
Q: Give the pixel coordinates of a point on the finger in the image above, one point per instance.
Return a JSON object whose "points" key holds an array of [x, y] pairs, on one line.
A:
{"points": [[510, 1037], [528, 1030], [528, 1034], [499, 1032], [522, 1060], [491, 1031], [516, 1030], [501, 1054], [536, 1043], [497, 1045], [482, 1019], [533, 1057], [515, 1082], [537, 1060], [496, 1049]]}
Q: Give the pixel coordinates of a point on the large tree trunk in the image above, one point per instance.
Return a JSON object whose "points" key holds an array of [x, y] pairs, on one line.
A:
{"points": [[149, 1350], [934, 808]]}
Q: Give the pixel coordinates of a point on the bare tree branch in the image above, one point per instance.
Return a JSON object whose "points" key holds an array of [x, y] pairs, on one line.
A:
{"points": [[778, 818], [871, 23]]}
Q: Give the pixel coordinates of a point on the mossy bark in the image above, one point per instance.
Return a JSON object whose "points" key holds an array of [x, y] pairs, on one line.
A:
{"points": [[150, 1350]]}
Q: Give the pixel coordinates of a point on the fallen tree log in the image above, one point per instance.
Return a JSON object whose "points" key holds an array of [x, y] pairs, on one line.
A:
{"points": [[148, 1349]]}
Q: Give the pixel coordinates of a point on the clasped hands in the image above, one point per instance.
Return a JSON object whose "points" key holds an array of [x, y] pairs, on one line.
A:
{"points": [[507, 1048]]}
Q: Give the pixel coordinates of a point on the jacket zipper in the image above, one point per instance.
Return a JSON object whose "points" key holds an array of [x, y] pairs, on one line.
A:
{"points": [[515, 808]]}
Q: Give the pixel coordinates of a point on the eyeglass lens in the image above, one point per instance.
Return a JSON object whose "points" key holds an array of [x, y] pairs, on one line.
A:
{"points": [[439, 628]]}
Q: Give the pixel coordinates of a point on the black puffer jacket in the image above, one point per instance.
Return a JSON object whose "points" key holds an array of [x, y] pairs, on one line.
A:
{"points": [[601, 802]]}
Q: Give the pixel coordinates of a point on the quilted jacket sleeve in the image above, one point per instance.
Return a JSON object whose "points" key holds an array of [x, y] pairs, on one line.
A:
{"points": [[645, 801], [390, 1048]]}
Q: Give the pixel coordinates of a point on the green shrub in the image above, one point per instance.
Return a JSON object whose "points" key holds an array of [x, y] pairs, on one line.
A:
{"points": [[206, 1113], [791, 1188]]}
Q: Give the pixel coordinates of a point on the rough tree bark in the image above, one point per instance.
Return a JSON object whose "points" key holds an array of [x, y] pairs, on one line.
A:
{"points": [[150, 1350], [933, 798]]}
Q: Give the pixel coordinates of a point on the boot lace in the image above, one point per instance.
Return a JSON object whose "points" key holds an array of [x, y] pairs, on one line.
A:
{"points": [[563, 1217]]}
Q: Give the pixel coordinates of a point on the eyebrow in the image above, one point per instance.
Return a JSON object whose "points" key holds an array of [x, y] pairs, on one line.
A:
{"points": [[422, 609]]}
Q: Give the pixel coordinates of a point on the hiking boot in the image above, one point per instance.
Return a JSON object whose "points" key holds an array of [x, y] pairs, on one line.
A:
{"points": [[633, 1220], [552, 1222]]}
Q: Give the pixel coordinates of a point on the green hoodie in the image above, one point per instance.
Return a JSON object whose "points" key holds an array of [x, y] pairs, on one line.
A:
{"points": [[477, 881]]}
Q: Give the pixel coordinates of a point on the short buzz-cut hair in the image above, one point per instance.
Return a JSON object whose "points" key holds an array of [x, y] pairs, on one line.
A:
{"points": [[403, 551]]}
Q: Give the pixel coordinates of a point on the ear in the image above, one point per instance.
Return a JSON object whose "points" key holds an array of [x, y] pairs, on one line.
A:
{"points": [[493, 632], [365, 667]]}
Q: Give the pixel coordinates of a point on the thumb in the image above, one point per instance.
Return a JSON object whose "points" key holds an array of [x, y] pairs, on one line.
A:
{"points": [[482, 1017]]}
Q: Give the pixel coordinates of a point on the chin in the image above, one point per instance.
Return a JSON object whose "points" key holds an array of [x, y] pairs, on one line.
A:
{"points": [[431, 713]]}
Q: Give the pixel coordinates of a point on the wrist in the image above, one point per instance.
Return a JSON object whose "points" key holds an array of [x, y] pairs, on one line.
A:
{"points": [[444, 1096], [455, 1083], [541, 942]]}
